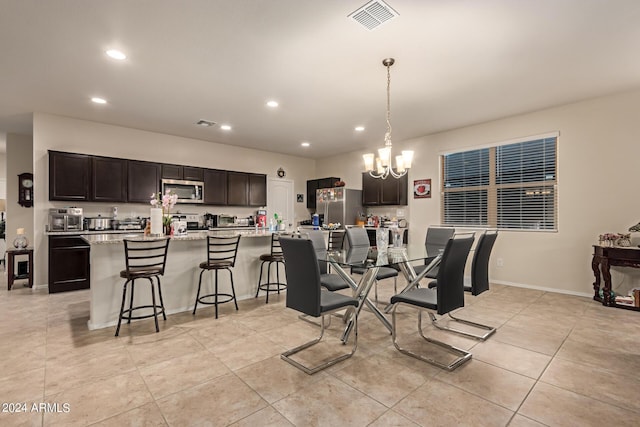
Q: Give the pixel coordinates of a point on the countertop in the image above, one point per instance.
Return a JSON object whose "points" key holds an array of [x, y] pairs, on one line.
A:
{"points": [[114, 238]]}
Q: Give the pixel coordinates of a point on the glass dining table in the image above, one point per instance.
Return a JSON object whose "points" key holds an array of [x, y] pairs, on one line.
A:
{"points": [[372, 259]]}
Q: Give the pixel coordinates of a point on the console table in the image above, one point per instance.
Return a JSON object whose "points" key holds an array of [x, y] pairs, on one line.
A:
{"points": [[603, 258]]}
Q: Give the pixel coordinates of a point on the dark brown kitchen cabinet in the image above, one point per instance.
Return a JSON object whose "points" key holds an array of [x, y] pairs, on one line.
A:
{"points": [[192, 174], [69, 267], [171, 171], [389, 191], [246, 189], [187, 173], [237, 189], [257, 190], [143, 179], [108, 179], [69, 176], [215, 187], [314, 184]]}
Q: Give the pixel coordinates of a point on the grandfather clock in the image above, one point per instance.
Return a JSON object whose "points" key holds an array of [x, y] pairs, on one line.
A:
{"points": [[25, 190]]}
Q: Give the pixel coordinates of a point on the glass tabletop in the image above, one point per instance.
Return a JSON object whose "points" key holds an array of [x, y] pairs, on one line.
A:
{"points": [[368, 257]]}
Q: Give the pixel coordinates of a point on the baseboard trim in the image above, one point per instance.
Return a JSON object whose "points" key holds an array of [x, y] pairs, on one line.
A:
{"points": [[541, 288]]}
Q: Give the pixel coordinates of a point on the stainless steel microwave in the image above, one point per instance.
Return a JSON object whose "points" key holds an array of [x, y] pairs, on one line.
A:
{"points": [[187, 191]]}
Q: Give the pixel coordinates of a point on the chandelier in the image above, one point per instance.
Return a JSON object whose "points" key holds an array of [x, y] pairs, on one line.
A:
{"points": [[383, 167]]}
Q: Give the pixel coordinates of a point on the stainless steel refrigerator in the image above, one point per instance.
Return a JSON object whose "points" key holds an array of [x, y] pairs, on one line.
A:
{"points": [[339, 204]]}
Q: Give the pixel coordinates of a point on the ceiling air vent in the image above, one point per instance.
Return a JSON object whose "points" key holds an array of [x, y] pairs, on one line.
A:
{"points": [[373, 14], [205, 123]]}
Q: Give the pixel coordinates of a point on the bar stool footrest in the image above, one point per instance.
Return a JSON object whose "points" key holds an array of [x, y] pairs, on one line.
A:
{"points": [[157, 308], [272, 287], [229, 298]]}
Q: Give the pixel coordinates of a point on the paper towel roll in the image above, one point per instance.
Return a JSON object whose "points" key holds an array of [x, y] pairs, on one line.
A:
{"points": [[156, 221]]}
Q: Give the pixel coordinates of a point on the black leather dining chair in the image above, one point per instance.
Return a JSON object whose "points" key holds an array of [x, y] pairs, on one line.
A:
{"points": [[447, 296], [435, 241], [479, 283], [331, 282], [305, 294], [358, 237], [480, 265]]}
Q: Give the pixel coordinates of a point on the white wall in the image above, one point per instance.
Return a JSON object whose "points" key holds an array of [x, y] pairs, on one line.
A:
{"points": [[20, 153], [52, 132], [598, 152]]}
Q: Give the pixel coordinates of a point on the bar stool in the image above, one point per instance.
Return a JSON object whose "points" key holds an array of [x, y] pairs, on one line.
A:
{"points": [[221, 255], [144, 259], [275, 256]]}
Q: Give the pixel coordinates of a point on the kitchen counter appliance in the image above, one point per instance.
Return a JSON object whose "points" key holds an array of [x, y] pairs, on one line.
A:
{"points": [[224, 220], [65, 219], [131, 224], [99, 223]]}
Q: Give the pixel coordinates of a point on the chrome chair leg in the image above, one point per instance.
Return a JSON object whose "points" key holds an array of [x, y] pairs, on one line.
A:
{"points": [[313, 369], [482, 337], [463, 356]]}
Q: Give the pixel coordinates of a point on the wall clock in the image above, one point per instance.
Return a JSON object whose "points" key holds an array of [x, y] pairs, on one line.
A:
{"points": [[25, 190], [281, 173]]}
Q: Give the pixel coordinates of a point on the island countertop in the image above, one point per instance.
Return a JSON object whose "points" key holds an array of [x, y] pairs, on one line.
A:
{"points": [[112, 238]]}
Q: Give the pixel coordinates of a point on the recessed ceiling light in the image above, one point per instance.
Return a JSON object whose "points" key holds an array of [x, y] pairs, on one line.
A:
{"points": [[272, 104], [116, 54], [205, 123], [225, 127], [305, 144], [98, 100], [359, 128]]}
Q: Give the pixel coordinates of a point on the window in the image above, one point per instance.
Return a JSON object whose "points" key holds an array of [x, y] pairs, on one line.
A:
{"points": [[508, 186]]}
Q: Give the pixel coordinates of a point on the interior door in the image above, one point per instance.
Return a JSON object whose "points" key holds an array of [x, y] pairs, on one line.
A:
{"points": [[280, 200]]}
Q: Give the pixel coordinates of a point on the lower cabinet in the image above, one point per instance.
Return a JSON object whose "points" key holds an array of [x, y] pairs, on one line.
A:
{"points": [[69, 267]]}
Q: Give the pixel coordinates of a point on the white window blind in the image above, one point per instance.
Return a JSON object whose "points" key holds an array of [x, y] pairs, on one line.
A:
{"points": [[510, 186]]}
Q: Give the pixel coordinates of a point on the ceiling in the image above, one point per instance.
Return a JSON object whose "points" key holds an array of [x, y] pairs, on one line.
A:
{"points": [[458, 62]]}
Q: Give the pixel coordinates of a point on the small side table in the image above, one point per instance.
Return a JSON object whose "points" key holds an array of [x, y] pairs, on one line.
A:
{"points": [[11, 253]]}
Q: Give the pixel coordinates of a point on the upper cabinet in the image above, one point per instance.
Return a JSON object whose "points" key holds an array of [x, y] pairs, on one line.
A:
{"points": [[257, 189], [84, 178], [379, 192], [215, 187], [246, 189], [108, 179], [143, 180], [69, 175], [187, 173]]}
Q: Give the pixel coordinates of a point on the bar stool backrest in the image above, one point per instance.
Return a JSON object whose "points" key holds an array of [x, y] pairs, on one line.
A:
{"points": [[146, 255], [276, 249], [450, 279], [336, 240], [222, 249]]}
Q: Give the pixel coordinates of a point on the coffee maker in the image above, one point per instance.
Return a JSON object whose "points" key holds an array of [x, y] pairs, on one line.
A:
{"points": [[261, 218]]}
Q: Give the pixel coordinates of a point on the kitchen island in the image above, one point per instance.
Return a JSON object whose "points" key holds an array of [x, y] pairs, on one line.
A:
{"points": [[180, 281]]}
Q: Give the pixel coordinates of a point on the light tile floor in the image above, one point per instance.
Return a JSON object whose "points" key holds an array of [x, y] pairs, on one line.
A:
{"points": [[555, 360]]}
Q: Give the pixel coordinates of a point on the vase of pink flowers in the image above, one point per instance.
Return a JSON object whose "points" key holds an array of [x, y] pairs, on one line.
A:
{"points": [[165, 202]]}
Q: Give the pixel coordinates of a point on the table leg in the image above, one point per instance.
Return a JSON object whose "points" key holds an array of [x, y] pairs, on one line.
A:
{"points": [[595, 266], [30, 283], [10, 271], [361, 291], [606, 274]]}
